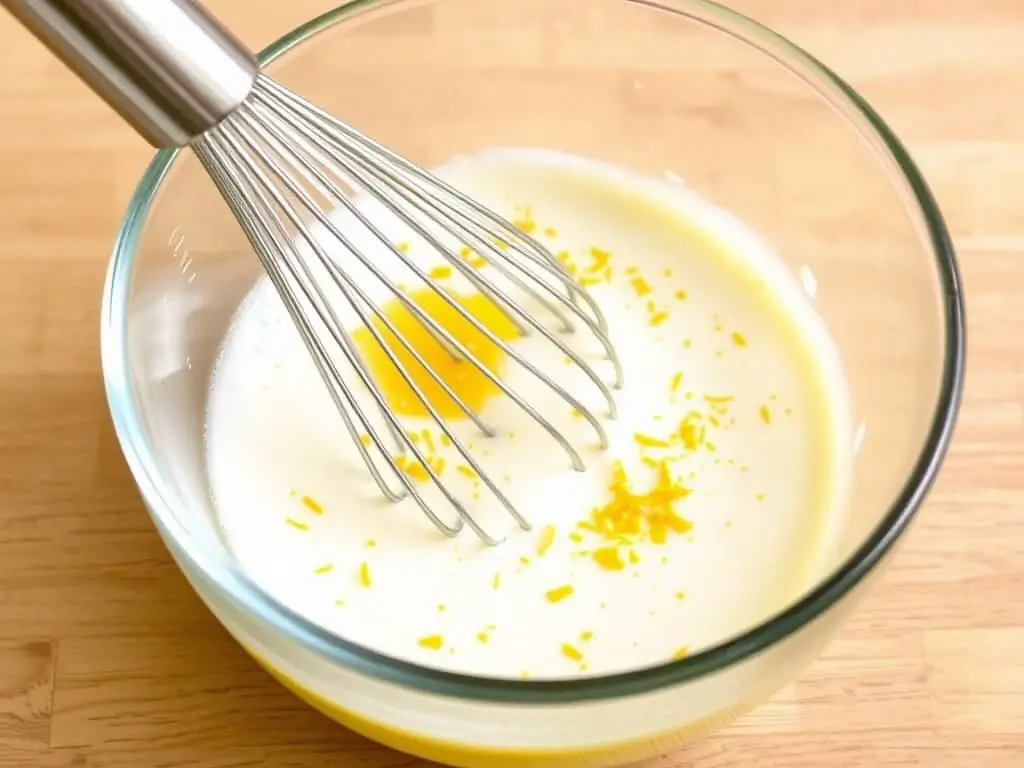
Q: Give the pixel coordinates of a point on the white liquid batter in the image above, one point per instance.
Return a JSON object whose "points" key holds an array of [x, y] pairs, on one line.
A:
{"points": [[712, 332]]}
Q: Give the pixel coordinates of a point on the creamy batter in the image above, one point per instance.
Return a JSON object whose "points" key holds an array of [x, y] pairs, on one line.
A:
{"points": [[717, 502]]}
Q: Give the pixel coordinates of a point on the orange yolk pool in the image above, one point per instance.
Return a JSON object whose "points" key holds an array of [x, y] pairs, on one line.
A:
{"points": [[464, 378]]}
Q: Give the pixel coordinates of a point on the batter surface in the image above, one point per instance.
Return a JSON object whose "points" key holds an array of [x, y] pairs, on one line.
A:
{"points": [[718, 501]]}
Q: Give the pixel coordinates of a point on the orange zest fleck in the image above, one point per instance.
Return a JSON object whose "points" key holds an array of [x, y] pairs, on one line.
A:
{"points": [[631, 515], [309, 503], [547, 538], [570, 652], [524, 221], [690, 432], [646, 441], [558, 594], [598, 259], [467, 255], [608, 558], [431, 642], [411, 467], [641, 286]]}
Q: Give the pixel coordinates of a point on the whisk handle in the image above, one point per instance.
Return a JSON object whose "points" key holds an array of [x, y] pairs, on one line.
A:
{"points": [[168, 67]]}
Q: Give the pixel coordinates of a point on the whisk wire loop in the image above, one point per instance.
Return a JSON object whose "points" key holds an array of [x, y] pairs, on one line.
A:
{"points": [[311, 122], [299, 163], [391, 162], [480, 281], [274, 159], [461, 351], [239, 195], [258, 189]]}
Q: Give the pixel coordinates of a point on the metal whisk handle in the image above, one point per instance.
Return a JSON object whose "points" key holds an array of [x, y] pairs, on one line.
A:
{"points": [[168, 67]]}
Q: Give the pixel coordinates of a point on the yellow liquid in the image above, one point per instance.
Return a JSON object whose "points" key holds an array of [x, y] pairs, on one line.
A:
{"points": [[459, 755], [467, 381]]}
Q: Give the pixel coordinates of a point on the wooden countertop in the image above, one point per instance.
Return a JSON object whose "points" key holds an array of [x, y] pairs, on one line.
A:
{"points": [[108, 660]]}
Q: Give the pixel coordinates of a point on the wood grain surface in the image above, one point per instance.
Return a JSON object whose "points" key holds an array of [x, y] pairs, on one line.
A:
{"points": [[107, 658]]}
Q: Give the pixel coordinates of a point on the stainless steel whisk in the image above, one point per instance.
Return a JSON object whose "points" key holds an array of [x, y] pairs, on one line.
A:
{"points": [[183, 80]]}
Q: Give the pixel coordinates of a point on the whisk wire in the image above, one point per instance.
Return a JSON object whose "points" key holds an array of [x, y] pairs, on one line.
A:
{"points": [[486, 247], [423, 202], [239, 193], [269, 158], [232, 135], [347, 284], [339, 197], [260, 187], [426, 320], [493, 225]]}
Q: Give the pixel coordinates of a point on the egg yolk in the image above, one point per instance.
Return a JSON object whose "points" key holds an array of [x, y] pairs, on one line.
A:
{"points": [[467, 382]]}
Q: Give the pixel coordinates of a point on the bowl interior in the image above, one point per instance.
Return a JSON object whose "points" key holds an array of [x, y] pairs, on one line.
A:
{"points": [[681, 88]]}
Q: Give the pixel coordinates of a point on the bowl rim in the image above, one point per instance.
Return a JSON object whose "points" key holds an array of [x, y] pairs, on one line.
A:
{"points": [[247, 597]]}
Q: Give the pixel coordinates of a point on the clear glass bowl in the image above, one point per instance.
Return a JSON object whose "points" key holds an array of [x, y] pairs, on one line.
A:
{"points": [[682, 86]]}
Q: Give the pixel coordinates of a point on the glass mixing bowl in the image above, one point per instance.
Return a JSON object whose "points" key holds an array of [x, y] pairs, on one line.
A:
{"points": [[685, 87]]}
